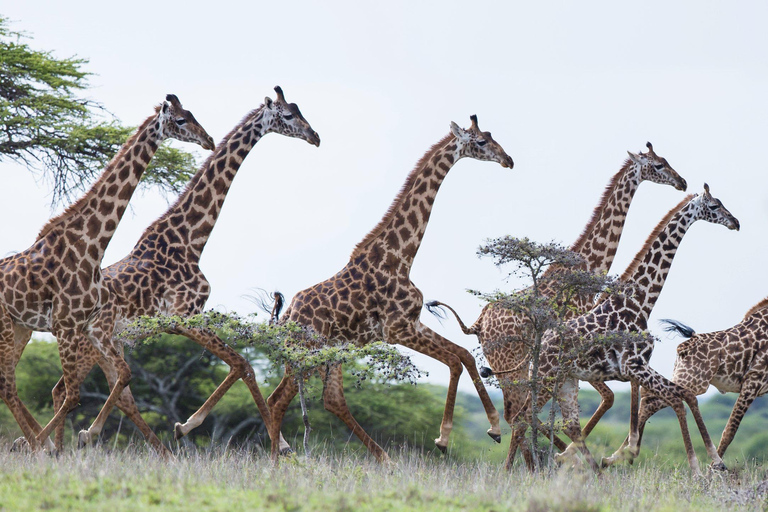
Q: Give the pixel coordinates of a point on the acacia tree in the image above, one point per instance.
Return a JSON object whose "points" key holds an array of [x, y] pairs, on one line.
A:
{"points": [[50, 128], [287, 344], [557, 277]]}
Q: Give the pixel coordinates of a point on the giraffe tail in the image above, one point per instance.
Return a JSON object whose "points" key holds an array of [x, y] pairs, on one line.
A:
{"points": [[274, 316], [437, 308], [678, 327], [271, 303]]}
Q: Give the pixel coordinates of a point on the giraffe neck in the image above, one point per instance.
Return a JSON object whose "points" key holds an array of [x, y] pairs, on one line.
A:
{"points": [[600, 239], [194, 214], [94, 217], [651, 266], [401, 230]]}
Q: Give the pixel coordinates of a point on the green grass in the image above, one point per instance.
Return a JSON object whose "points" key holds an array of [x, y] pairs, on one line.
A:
{"points": [[236, 480]]}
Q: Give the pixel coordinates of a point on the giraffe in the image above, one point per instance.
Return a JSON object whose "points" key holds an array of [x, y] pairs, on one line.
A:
{"points": [[372, 298], [628, 360], [56, 285], [161, 275], [501, 330], [734, 360]]}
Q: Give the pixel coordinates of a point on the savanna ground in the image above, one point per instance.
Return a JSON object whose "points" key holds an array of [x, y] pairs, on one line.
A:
{"points": [[224, 464], [235, 480]]}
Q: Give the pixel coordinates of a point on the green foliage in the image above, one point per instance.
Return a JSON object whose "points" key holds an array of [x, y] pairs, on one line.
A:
{"points": [[301, 348], [50, 128]]}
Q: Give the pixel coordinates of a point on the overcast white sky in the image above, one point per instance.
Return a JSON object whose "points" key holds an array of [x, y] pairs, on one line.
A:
{"points": [[566, 87]]}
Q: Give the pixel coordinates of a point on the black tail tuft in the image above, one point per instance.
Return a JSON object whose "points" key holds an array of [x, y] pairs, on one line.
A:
{"points": [[485, 372], [437, 309], [278, 307], [678, 327]]}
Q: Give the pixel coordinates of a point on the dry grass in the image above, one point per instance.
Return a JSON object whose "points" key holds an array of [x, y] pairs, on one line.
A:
{"points": [[236, 480]]}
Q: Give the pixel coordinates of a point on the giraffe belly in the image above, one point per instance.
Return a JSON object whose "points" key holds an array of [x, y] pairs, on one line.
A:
{"points": [[725, 384]]}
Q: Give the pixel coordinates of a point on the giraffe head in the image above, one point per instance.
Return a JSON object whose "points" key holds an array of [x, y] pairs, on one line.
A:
{"points": [[286, 119], [180, 124], [473, 143], [655, 168], [711, 209]]}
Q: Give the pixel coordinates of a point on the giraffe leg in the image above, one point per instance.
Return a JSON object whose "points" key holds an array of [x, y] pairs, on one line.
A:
{"points": [[114, 362], [284, 447], [606, 403], [469, 363], [674, 396], [67, 341], [423, 340], [127, 404], [750, 389], [334, 401], [649, 405], [239, 368], [567, 397], [278, 403]]}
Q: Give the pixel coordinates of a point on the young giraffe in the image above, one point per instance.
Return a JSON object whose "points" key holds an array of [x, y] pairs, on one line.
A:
{"points": [[56, 285], [628, 361], [734, 360], [501, 330], [161, 275], [372, 298]]}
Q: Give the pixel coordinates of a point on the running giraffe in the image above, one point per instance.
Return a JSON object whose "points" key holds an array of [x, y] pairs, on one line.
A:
{"points": [[627, 360], [372, 298], [501, 331], [56, 285], [161, 275]]}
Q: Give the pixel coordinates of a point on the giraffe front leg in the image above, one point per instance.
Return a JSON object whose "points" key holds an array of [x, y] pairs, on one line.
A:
{"points": [[673, 395], [649, 405], [115, 361], [569, 406], [278, 403], [418, 338], [606, 402], [66, 339], [750, 390], [469, 363], [239, 369], [334, 401]]}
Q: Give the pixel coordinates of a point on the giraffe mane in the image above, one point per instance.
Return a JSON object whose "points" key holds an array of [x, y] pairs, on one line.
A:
{"points": [[78, 205], [198, 175], [400, 197], [598, 211], [640, 256], [757, 307]]}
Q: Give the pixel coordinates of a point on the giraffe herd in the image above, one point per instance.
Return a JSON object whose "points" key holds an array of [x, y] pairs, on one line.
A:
{"points": [[58, 286]]}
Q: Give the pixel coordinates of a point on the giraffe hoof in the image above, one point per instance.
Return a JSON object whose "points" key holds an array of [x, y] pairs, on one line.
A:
{"points": [[177, 432], [718, 467], [495, 437], [83, 439], [285, 452], [443, 449], [20, 444]]}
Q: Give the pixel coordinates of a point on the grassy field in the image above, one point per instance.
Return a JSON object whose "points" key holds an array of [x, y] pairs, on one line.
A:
{"points": [[236, 480]]}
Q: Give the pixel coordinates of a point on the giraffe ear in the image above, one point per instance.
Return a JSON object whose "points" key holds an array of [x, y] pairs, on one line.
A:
{"points": [[635, 158], [268, 102], [457, 131], [166, 106]]}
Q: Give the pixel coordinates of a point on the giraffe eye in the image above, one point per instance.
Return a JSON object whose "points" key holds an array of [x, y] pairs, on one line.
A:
{"points": [[481, 142], [714, 207], [288, 117], [181, 121], [658, 167]]}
